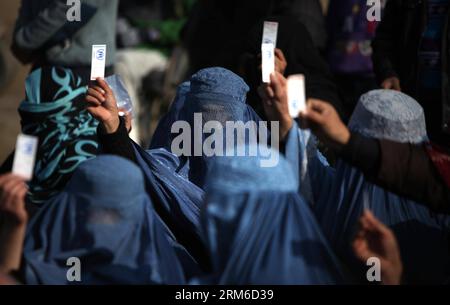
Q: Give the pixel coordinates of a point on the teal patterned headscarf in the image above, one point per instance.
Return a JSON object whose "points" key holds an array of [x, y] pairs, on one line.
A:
{"points": [[54, 111]]}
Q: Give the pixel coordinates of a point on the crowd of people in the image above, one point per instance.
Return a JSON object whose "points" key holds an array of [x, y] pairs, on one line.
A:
{"points": [[361, 175]]}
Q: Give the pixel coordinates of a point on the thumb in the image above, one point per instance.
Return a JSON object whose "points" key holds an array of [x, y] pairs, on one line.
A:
{"points": [[104, 85]]}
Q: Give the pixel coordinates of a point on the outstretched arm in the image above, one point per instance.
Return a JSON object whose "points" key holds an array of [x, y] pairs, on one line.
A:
{"points": [[401, 168]]}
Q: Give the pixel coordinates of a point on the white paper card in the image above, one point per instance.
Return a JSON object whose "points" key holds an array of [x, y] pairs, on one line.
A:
{"points": [[268, 61], [296, 94], [98, 62], [25, 156], [270, 32]]}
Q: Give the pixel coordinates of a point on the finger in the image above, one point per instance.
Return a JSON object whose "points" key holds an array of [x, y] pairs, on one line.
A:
{"points": [[268, 91], [280, 55], [386, 85], [17, 193], [276, 84], [99, 89], [104, 85], [97, 94], [361, 250], [317, 105], [314, 117], [9, 186], [282, 80], [6, 177], [375, 224], [92, 101]]}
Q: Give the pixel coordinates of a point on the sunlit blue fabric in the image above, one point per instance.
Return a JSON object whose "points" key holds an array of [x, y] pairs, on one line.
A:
{"points": [[259, 230], [340, 194], [177, 201], [106, 220], [175, 182], [218, 95], [162, 138]]}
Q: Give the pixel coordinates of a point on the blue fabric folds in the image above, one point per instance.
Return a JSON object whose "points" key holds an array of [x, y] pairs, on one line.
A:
{"points": [[162, 138], [340, 194], [177, 201], [259, 230], [218, 95], [106, 220], [175, 182]]}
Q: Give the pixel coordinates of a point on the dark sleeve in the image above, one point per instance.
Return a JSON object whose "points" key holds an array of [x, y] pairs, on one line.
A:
{"points": [[362, 153], [118, 143], [408, 170], [404, 169], [384, 54]]}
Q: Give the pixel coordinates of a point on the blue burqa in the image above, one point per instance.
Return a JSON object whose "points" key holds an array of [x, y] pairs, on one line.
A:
{"points": [[105, 220], [175, 181], [260, 231], [339, 195]]}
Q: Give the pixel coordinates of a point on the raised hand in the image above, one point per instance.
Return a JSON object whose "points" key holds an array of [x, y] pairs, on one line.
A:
{"points": [[280, 61], [12, 199], [275, 102], [13, 221], [325, 123], [102, 105], [374, 239]]}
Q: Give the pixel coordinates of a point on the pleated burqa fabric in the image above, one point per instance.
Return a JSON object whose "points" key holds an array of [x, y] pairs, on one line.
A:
{"points": [[175, 181], [260, 231], [339, 195], [105, 220]]}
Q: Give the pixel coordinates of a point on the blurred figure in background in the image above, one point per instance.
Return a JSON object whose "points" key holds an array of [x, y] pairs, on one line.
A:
{"points": [[217, 30], [295, 54], [60, 52], [350, 34], [44, 36], [310, 13], [3, 69], [411, 51], [54, 111], [147, 33]]}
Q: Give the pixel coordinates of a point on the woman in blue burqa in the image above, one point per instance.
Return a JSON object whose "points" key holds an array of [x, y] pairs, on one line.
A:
{"points": [[102, 229], [175, 179], [339, 195], [259, 230]]}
